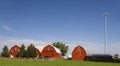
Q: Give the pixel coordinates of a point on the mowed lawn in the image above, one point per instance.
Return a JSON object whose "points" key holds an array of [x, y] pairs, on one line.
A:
{"points": [[54, 63]]}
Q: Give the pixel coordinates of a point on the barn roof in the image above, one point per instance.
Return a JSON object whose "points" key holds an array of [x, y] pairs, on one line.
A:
{"points": [[15, 46], [57, 50], [41, 48]]}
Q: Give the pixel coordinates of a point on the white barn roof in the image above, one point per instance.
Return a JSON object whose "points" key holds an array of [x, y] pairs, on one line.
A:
{"points": [[41, 48]]}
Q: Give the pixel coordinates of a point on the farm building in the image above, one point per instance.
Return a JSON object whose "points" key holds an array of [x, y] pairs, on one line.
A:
{"points": [[37, 52], [14, 51], [50, 52], [78, 53], [100, 57]]}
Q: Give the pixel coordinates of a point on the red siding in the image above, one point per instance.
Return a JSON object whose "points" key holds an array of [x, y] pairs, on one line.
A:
{"points": [[78, 53], [37, 51], [49, 51], [14, 51]]}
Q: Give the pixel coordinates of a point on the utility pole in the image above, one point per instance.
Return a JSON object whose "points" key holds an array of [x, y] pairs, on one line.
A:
{"points": [[105, 32]]}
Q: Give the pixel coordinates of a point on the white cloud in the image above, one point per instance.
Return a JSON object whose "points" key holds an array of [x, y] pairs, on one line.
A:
{"points": [[7, 28], [113, 48], [19, 42]]}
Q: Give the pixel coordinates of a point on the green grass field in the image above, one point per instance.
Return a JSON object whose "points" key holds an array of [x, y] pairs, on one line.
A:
{"points": [[54, 63]]}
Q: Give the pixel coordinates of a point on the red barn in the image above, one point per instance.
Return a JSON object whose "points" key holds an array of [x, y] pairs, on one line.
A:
{"points": [[14, 51], [37, 52], [50, 52], [78, 53]]}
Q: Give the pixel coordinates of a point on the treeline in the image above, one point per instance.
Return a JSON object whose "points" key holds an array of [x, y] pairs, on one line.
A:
{"points": [[30, 51]]}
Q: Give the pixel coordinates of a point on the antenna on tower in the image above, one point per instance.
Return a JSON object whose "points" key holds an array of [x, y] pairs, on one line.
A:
{"points": [[105, 32]]}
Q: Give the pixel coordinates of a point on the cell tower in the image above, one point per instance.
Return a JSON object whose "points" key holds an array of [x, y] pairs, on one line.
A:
{"points": [[105, 32]]}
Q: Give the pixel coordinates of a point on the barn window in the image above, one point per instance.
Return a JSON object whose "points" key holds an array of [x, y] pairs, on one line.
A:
{"points": [[15, 48], [48, 48]]}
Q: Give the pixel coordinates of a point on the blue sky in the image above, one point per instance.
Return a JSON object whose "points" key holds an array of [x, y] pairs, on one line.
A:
{"points": [[74, 22]]}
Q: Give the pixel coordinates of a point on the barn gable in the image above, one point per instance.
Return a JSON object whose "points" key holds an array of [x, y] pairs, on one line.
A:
{"points": [[50, 52], [14, 51], [78, 53]]}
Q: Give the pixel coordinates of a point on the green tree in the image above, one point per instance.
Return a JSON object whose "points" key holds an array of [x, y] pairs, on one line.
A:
{"points": [[5, 52], [25, 54], [63, 48], [31, 51], [22, 51]]}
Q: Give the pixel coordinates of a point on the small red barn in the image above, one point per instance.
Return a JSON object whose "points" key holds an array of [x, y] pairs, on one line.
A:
{"points": [[50, 52], [78, 53], [37, 52], [14, 51]]}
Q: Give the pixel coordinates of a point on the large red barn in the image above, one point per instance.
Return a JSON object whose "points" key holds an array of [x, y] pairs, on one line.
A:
{"points": [[14, 51], [50, 52], [78, 53]]}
